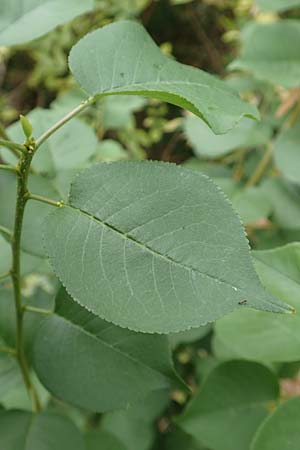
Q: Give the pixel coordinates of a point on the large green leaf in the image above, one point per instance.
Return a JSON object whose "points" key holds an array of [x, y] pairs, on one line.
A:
{"points": [[281, 429], [266, 337], [20, 430], [104, 367], [22, 21], [123, 59], [277, 5], [206, 144], [70, 147], [230, 406], [287, 155], [268, 54], [153, 247]]}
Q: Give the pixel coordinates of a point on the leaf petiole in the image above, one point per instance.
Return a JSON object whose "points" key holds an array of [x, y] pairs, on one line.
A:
{"points": [[49, 201], [83, 105], [33, 309], [9, 168]]}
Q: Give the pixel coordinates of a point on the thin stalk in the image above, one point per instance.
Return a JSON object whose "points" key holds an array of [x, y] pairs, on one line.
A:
{"points": [[261, 167], [83, 105], [22, 196], [10, 351], [13, 146], [3, 133], [33, 309], [4, 275], [6, 232], [42, 199], [8, 167]]}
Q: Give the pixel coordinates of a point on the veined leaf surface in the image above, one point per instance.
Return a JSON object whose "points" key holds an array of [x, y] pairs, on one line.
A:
{"points": [[153, 247]]}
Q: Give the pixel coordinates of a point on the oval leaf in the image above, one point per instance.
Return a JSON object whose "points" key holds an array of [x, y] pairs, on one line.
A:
{"points": [[121, 58], [153, 247]]}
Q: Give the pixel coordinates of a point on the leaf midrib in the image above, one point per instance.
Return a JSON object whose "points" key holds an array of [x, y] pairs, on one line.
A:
{"points": [[110, 346], [154, 252]]}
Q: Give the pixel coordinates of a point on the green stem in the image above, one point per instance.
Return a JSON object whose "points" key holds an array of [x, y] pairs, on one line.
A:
{"points": [[65, 119], [22, 196], [261, 167], [7, 167], [33, 309], [42, 199]]}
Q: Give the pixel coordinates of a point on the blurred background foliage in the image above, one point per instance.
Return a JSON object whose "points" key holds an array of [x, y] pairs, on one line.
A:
{"points": [[255, 47]]}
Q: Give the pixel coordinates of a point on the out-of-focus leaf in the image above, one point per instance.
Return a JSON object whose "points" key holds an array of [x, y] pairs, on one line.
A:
{"points": [[267, 52], [247, 133], [24, 21], [281, 429], [277, 5], [43, 431], [70, 147], [234, 396], [266, 337], [287, 154]]}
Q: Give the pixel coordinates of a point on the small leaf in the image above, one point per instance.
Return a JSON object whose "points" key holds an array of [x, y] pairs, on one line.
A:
{"points": [[26, 126], [22, 22], [107, 369], [268, 54], [121, 58], [141, 245], [230, 406], [44, 431], [281, 429]]}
